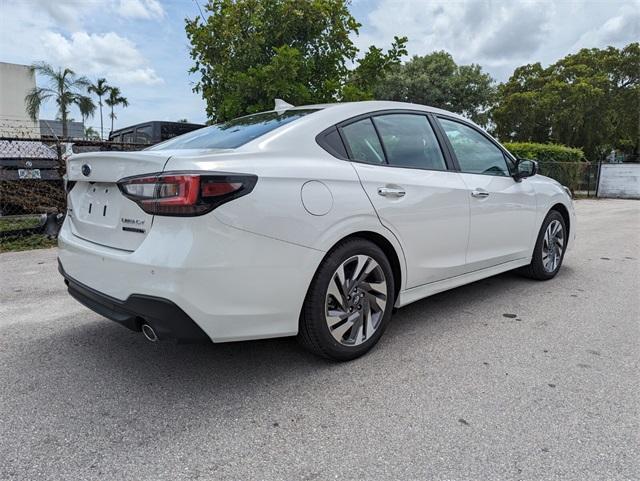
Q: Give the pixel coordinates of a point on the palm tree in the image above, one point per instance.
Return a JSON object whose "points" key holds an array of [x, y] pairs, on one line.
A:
{"points": [[90, 133], [64, 87], [100, 88], [86, 106], [113, 100]]}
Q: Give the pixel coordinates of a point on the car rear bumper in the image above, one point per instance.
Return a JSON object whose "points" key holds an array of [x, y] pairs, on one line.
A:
{"points": [[233, 284], [167, 319]]}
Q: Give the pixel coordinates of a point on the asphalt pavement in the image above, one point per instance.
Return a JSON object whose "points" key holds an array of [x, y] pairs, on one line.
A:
{"points": [[506, 378]]}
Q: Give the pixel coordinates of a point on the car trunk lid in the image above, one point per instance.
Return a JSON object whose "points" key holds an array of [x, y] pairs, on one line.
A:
{"points": [[97, 209]]}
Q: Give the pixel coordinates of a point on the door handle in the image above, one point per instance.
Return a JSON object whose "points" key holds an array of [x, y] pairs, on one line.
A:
{"points": [[390, 192], [479, 193]]}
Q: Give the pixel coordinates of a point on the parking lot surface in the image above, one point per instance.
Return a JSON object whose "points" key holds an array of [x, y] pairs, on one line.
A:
{"points": [[506, 378]]}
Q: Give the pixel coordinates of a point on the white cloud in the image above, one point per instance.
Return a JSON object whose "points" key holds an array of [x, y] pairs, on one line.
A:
{"points": [[500, 35], [71, 14], [96, 54], [146, 9], [621, 28], [64, 13]]}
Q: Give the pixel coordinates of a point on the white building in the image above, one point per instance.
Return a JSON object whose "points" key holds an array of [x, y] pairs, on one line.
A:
{"points": [[15, 83]]}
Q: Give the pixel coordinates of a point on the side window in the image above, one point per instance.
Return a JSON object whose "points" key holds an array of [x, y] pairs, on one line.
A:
{"points": [[363, 142], [332, 143], [475, 153], [128, 137], [409, 141], [144, 134]]}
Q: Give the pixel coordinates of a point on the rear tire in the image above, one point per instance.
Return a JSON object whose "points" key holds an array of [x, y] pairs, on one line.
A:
{"points": [[549, 250], [349, 302]]}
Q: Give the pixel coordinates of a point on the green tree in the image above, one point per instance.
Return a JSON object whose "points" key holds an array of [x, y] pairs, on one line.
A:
{"points": [[436, 80], [114, 99], [65, 88], [100, 88], [91, 133], [86, 107], [371, 69], [249, 52], [589, 99]]}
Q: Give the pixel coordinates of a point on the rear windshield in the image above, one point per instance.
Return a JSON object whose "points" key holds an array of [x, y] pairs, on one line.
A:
{"points": [[234, 133]]}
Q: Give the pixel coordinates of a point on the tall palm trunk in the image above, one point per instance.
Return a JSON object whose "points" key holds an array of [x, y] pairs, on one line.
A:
{"points": [[101, 128], [63, 117], [112, 118]]}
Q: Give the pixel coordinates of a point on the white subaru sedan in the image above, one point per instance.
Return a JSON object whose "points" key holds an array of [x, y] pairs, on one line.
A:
{"points": [[314, 221]]}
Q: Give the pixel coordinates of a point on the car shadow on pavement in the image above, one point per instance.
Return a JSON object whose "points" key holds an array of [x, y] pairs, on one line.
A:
{"points": [[98, 353], [100, 349]]}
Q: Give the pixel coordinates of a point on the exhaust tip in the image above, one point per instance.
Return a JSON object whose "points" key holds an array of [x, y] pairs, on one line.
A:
{"points": [[149, 333]]}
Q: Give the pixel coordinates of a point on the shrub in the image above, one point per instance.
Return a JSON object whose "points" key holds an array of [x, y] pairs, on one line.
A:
{"points": [[564, 164]]}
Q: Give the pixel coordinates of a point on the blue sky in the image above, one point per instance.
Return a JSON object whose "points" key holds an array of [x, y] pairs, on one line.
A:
{"points": [[141, 46]]}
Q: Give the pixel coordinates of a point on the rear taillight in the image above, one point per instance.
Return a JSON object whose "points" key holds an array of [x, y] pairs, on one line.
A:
{"points": [[185, 193]]}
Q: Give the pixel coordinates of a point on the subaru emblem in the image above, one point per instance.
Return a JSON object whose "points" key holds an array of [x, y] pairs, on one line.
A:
{"points": [[86, 170]]}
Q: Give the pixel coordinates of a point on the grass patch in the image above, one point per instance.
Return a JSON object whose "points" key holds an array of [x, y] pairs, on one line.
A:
{"points": [[25, 243], [17, 223]]}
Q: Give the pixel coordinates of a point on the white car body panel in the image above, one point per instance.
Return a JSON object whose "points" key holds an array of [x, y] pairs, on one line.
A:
{"points": [[502, 223], [420, 292], [242, 271], [224, 278], [431, 221]]}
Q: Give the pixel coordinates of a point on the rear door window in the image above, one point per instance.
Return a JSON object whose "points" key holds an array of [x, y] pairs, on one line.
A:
{"points": [[409, 141]]}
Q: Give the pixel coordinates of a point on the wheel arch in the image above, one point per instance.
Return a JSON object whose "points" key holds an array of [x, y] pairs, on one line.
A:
{"points": [[564, 212], [389, 250]]}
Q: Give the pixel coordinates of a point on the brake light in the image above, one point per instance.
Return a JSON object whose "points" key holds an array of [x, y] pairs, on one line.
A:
{"points": [[185, 193]]}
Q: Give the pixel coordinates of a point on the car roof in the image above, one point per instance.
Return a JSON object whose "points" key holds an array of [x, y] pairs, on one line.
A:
{"points": [[374, 105], [348, 110], [308, 126]]}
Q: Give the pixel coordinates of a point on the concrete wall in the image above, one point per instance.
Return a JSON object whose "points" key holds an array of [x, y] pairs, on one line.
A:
{"points": [[620, 181], [15, 83]]}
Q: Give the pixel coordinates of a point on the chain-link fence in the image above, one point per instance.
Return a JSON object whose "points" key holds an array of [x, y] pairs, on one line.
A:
{"points": [[580, 177], [32, 192]]}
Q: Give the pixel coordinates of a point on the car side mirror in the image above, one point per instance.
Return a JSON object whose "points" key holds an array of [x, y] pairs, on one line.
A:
{"points": [[525, 168]]}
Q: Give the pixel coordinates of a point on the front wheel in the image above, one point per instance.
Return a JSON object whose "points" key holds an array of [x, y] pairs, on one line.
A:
{"points": [[549, 251], [349, 302]]}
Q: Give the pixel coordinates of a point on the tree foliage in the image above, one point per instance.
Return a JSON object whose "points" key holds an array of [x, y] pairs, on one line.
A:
{"points": [[249, 52], [372, 69], [100, 88], [545, 152], [436, 80], [65, 87], [565, 164], [86, 107], [590, 99], [114, 99]]}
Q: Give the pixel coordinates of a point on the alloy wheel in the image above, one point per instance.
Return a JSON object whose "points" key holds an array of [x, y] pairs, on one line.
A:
{"points": [[355, 300], [552, 246]]}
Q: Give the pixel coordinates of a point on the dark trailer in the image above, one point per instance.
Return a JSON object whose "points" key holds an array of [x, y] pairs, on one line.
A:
{"points": [[149, 133]]}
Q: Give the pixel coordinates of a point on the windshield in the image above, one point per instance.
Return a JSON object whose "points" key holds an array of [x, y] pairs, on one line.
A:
{"points": [[234, 133]]}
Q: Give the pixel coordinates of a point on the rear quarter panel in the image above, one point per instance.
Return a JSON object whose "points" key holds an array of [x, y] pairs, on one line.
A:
{"points": [[275, 207]]}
